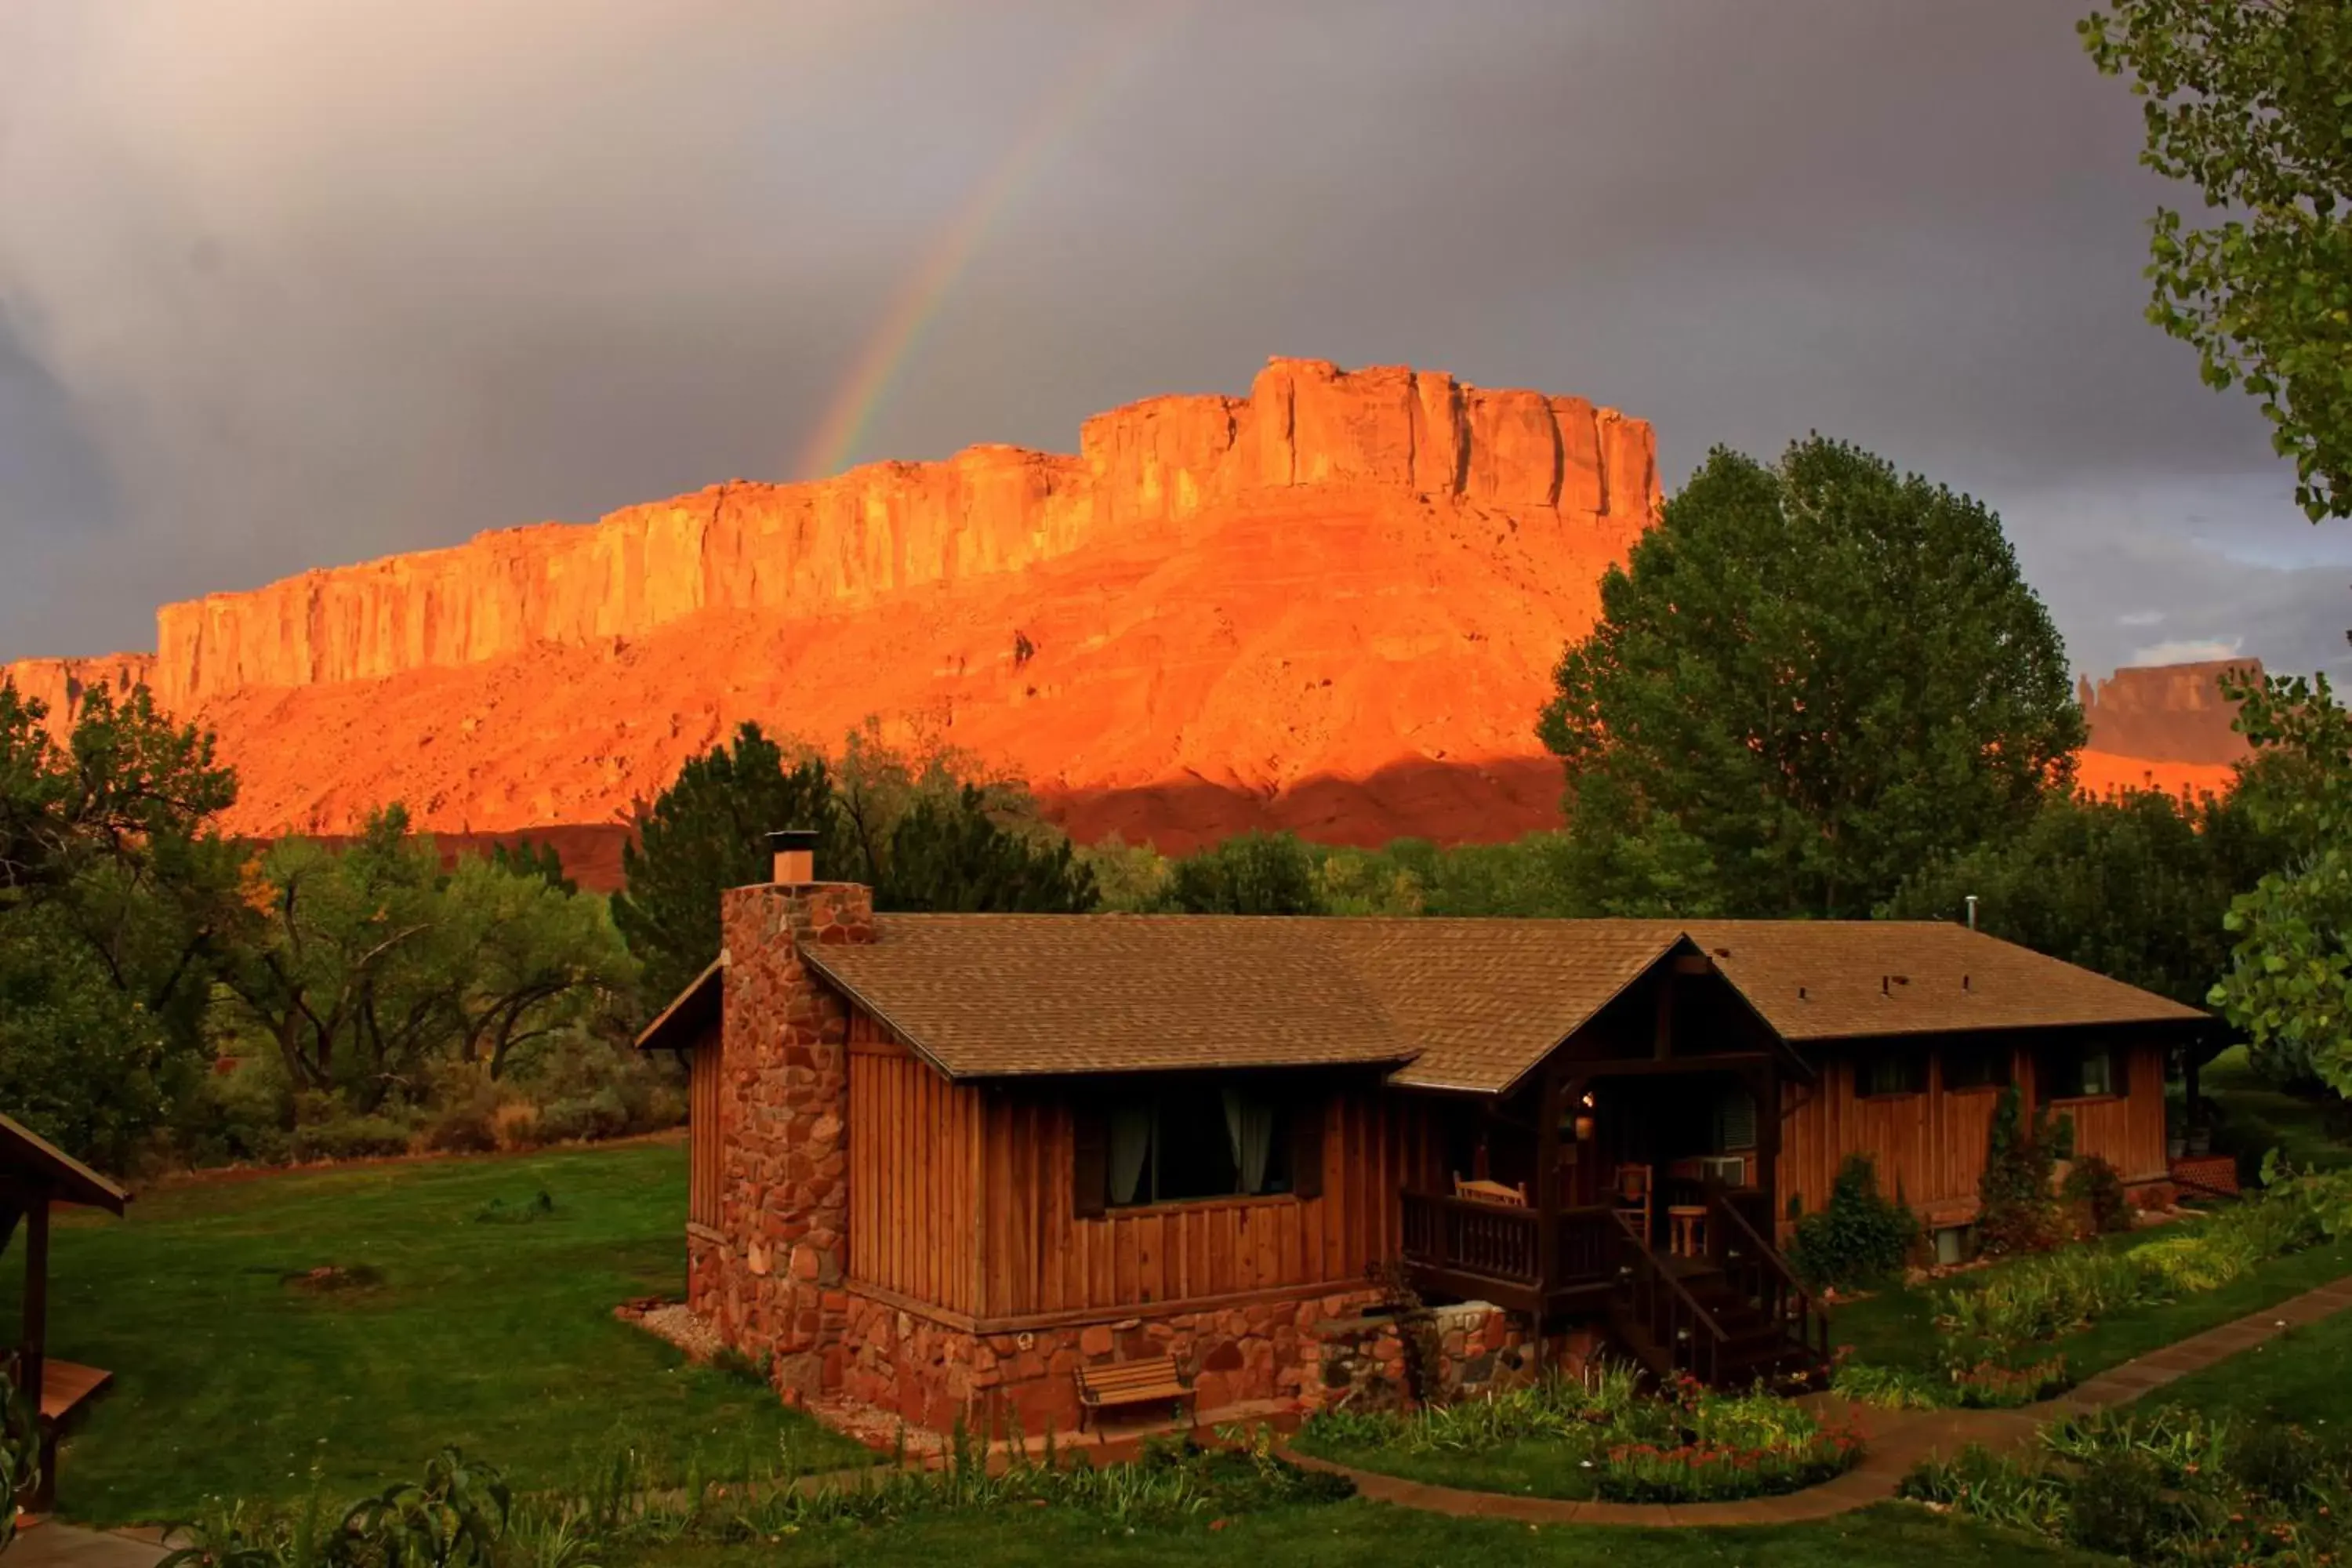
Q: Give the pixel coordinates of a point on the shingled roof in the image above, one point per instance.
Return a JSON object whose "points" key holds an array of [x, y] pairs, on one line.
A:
{"points": [[1451, 1004]]}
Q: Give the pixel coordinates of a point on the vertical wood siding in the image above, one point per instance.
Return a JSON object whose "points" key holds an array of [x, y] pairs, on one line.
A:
{"points": [[913, 1204], [1930, 1147], [1043, 1259], [704, 1135]]}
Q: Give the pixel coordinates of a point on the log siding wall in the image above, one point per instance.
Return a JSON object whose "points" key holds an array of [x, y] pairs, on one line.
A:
{"points": [[1930, 1147], [914, 1163], [1042, 1259]]}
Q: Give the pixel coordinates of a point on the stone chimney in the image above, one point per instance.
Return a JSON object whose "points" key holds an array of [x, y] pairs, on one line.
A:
{"points": [[769, 1275]]}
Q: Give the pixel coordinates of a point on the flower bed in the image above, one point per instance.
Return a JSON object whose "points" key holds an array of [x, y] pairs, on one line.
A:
{"points": [[1995, 1340], [2169, 1487], [1600, 1436]]}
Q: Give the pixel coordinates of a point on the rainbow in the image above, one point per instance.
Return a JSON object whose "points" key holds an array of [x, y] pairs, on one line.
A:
{"points": [[891, 346]]}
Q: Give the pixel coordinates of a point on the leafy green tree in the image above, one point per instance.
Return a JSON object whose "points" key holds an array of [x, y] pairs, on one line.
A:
{"points": [[2134, 887], [706, 833], [2246, 100], [534, 957], [367, 966], [1250, 874], [118, 908], [948, 856], [1812, 678], [2289, 986], [530, 857]]}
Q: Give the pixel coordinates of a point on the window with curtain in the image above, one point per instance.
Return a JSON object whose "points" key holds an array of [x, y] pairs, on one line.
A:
{"points": [[2082, 1072], [1195, 1140], [1975, 1066], [1892, 1072], [1734, 1121]]}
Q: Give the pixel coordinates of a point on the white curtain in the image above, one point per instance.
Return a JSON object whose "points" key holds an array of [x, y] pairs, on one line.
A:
{"points": [[1131, 1145], [1250, 1122]]}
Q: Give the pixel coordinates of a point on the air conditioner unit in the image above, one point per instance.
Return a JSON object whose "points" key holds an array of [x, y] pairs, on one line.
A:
{"points": [[1731, 1170]]}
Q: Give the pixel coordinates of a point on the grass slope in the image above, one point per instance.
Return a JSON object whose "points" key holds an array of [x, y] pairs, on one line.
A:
{"points": [[498, 1337], [2299, 1376], [2258, 1117], [1893, 1535]]}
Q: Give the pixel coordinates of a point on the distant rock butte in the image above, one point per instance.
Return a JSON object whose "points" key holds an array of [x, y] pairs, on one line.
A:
{"points": [[1333, 605], [2167, 712]]}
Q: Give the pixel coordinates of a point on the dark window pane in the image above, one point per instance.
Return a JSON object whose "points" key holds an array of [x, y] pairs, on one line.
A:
{"points": [[1894, 1072], [1971, 1066]]}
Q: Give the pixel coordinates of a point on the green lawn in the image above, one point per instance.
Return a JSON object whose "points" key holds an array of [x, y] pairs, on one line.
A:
{"points": [[1893, 1535], [2299, 1376], [1531, 1466], [2257, 1117], [1897, 1328], [498, 1337]]}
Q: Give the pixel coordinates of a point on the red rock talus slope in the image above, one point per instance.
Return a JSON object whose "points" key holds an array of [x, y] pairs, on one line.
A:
{"points": [[1332, 606]]}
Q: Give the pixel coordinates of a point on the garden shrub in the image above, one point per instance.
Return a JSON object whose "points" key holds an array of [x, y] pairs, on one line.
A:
{"points": [[338, 1135], [2049, 1297], [2095, 1188], [2169, 1486], [1860, 1239], [2117, 1505], [242, 1115], [2017, 1210], [1693, 1445]]}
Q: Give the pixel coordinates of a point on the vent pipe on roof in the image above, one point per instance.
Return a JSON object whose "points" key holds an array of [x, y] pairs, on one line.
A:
{"points": [[795, 849], [1972, 911]]}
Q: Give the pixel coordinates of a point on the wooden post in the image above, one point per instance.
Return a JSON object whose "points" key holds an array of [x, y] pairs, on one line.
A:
{"points": [[30, 1355], [1547, 1112]]}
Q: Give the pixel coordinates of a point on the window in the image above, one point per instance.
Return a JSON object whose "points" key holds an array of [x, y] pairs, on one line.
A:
{"points": [[1891, 1072], [1734, 1121], [1194, 1141], [2082, 1072], [1976, 1065]]}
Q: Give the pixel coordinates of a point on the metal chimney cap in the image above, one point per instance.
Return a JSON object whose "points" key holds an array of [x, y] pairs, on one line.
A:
{"points": [[784, 840]]}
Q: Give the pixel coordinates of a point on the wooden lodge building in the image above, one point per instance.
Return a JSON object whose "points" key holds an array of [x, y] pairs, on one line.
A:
{"points": [[988, 1165]]}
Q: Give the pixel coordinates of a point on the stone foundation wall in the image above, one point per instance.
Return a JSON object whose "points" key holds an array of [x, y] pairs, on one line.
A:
{"points": [[1300, 1354], [1480, 1349], [929, 1373]]}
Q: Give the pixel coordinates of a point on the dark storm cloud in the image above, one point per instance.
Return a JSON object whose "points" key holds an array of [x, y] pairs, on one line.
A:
{"points": [[293, 285]]}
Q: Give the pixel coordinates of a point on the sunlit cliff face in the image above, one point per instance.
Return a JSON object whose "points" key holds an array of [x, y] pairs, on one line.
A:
{"points": [[1333, 605]]}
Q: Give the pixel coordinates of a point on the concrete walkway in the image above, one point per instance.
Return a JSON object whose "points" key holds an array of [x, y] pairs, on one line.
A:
{"points": [[50, 1545], [1897, 1439]]}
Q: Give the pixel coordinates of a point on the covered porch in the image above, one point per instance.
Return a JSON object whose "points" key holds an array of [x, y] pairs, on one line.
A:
{"points": [[1629, 1179]]}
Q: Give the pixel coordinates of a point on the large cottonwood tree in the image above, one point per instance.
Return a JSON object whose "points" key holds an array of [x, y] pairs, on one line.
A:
{"points": [[1813, 678]]}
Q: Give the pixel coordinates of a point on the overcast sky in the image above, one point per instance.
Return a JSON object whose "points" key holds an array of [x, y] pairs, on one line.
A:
{"points": [[284, 286]]}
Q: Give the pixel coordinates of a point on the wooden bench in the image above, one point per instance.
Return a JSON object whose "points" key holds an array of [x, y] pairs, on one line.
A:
{"points": [[1129, 1383], [65, 1387]]}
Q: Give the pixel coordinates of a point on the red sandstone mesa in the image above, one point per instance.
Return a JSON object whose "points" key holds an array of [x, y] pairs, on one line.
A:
{"points": [[1333, 605]]}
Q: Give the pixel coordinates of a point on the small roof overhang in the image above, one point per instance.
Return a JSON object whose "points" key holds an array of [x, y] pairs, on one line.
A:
{"points": [[692, 1014], [31, 1165]]}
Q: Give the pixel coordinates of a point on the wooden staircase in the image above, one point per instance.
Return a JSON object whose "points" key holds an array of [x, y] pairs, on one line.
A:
{"points": [[1730, 1319]]}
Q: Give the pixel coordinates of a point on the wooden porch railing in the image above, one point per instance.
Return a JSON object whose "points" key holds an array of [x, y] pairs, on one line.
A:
{"points": [[1661, 1305], [1756, 1271], [1503, 1242]]}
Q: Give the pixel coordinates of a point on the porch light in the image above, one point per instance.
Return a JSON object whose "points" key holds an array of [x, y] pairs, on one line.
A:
{"points": [[1588, 1099]]}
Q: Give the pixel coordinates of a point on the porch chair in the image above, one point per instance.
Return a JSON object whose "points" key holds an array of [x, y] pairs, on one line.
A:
{"points": [[1633, 1197], [1485, 1192]]}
